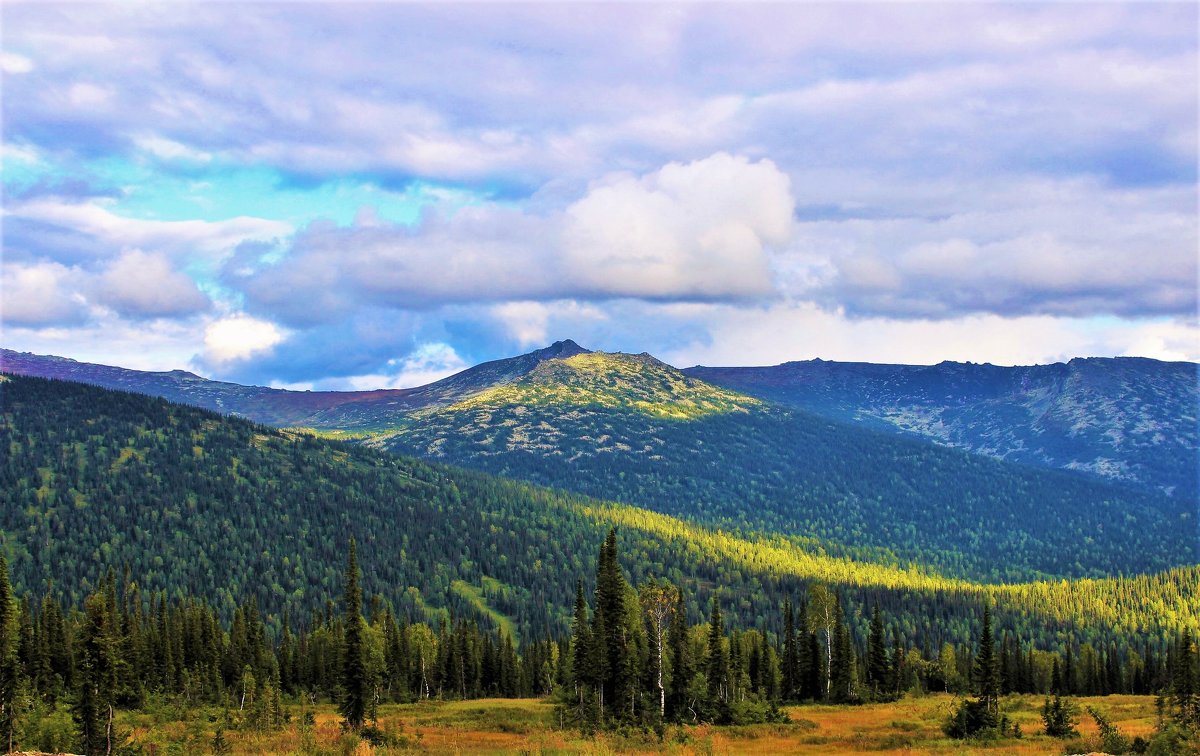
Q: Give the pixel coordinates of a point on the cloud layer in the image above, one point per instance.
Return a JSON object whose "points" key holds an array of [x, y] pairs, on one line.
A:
{"points": [[323, 194]]}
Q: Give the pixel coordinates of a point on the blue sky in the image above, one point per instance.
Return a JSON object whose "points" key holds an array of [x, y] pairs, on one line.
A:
{"points": [[359, 195]]}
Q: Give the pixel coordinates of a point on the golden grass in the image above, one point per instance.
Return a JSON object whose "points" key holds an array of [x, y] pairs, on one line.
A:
{"points": [[504, 726]]}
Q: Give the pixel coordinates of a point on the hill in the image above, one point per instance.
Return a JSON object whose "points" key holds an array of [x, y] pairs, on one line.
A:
{"points": [[631, 428], [355, 411], [1132, 420], [199, 504]]}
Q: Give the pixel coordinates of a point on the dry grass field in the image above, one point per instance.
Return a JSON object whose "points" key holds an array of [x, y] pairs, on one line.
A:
{"points": [[502, 726]]}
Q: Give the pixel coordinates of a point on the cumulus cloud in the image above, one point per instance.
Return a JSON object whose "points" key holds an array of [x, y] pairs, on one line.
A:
{"points": [[531, 323], [921, 170], [783, 332], [238, 337], [426, 364], [140, 285], [41, 294], [695, 231], [1015, 247], [700, 230]]}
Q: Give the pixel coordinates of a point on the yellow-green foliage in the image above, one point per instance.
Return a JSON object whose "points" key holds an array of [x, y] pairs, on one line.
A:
{"points": [[615, 381], [478, 599], [1123, 603]]}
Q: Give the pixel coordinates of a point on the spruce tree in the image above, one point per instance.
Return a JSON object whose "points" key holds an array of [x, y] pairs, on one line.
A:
{"points": [[354, 667], [717, 665], [877, 661], [791, 656], [987, 668], [9, 661], [681, 662], [97, 674]]}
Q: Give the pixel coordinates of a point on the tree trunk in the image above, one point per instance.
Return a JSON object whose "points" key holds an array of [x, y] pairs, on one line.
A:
{"points": [[828, 662]]}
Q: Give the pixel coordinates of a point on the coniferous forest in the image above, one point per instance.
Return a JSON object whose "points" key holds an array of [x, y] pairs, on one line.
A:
{"points": [[154, 551]]}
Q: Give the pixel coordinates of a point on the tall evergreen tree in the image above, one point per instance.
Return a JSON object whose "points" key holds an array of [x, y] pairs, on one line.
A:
{"points": [[355, 685], [791, 656], [681, 661], [9, 661], [94, 704], [987, 667], [877, 656], [717, 665]]}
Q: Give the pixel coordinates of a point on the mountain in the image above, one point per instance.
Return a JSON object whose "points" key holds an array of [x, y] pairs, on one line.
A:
{"points": [[201, 504], [1127, 419], [334, 410], [634, 429], [631, 428]]}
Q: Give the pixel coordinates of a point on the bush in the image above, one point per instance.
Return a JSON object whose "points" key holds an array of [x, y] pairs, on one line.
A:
{"points": [[1060, 717], [971, 719], [1111, 739]]}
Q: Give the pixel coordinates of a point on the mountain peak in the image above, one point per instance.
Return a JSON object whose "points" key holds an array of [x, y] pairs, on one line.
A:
{"points": [[560, 350]]}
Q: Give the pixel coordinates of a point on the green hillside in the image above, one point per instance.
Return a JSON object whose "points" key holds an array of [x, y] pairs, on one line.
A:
{"points": [[1127, 419], [198, 504], [631, 428]]}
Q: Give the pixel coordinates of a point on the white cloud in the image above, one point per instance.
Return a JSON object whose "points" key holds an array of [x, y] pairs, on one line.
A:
{"points": [[239, 337], [167, 149], [529, 323], [140, 284], [769, 336], [13, 63], [428, 363], [696, 230], [192, 239], [41, 294]]}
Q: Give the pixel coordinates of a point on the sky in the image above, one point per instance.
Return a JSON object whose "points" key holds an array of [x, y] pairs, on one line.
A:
{"points": [[348, 195]]}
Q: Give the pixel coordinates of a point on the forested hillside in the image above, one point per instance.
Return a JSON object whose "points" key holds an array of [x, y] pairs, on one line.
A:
{"points": [[197, 504], [630, 428], [1127, 419]]}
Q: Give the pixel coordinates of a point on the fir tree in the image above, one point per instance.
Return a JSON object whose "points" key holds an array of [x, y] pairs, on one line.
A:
{"points": [[987, 668], [717, 665], [681, 662], [877, 656], [93, 710], [9, 661], [355, 685], [791, 656]]}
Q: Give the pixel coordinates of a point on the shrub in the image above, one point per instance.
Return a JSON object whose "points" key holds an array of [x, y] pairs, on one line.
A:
{"points": [[1060, 717]]}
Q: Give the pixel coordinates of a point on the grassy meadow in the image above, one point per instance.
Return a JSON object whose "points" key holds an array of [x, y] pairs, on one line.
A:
{"points": [[501, 726]]}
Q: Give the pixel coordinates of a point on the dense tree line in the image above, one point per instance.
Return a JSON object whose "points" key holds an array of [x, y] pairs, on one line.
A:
{"points": [[195, 503], [631, 658], [767, 469]]}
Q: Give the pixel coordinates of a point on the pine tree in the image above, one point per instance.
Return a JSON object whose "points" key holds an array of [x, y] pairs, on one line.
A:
{"points": [[843, 659], [93, 710], [681, 662], [717, 665], [987, 668], [791, 656], [610, 631], [877, 657], [9, 661], [354, 667], [1185, 685]]}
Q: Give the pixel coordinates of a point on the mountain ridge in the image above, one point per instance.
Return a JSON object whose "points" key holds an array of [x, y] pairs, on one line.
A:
{"points": [[1128, 419]]}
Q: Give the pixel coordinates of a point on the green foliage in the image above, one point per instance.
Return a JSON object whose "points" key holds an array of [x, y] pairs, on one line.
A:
{"points": [[1111, 739], [355, 683], [1060, 717], [856, 491], [250, 520]]}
